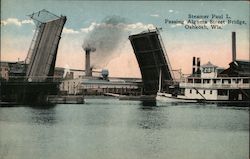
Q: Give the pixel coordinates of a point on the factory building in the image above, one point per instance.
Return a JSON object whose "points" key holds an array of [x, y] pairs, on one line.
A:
{"points": [[17, 70], [95, 82], [12, 70], [4, 70], [98, 87]]}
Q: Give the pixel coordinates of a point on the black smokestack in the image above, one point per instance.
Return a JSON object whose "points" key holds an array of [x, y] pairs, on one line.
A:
{"points": [[87, 63], [198, 62], [88, 69], [198, 66], [233, 46], [194, 65], [193, 61]]}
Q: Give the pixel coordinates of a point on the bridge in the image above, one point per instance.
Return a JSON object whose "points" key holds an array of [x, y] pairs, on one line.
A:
{"points": [[152, 59], [41, 57]]}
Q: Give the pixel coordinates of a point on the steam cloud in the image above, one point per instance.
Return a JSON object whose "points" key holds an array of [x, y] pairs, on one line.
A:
{"points": [[105, 37]]}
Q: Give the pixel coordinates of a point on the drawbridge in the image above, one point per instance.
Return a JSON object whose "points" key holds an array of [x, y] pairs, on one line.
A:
{"points": [[42, 54], [152, 59]]}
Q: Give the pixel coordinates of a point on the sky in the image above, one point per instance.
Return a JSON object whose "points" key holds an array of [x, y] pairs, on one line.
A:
{"points": [[86, 19]]}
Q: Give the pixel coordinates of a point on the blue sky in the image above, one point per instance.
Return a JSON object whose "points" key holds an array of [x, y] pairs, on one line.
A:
{"points": [[17, 31]]}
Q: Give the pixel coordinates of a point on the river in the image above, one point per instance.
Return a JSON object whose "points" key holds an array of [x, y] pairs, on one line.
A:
{"points": [[112, 129]]}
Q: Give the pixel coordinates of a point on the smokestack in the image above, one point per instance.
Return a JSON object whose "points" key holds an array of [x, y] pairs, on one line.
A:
{"points": [[88, 69], [198, 66], [233, 46], [87, 63], [194, 66]]}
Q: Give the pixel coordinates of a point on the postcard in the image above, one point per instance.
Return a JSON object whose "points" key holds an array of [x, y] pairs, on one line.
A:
{"points": [[124, 79]]}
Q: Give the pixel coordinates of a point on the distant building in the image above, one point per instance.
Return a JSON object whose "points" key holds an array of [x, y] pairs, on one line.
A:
{"points": [[61, 73], [237, 68], [17, 71], [13, 70], [58, 72], [97, 86], [4, 69]]}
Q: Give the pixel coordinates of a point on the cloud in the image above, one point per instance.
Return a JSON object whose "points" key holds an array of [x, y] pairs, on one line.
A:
{"points": [[139, 26], [170, 11], [27, 22], [90, 28], [125, 26], [155, 15], [15, 21], [69, 31]]}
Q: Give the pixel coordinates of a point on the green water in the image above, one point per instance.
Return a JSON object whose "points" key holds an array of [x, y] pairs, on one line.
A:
{"points": [[113, 129]]}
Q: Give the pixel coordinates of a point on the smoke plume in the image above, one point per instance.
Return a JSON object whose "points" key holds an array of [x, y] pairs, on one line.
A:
{"points": [[105, 37]]}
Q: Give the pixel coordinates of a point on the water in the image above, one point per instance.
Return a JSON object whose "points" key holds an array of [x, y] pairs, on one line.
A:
{"points": [[113, 129]]}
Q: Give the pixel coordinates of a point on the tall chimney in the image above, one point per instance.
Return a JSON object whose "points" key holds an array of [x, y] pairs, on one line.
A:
{"points": [[88, 49], [87, 62], [233, 46]]}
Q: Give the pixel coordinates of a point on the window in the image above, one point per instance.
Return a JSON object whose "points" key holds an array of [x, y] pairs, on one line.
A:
{"points": [[211, 92], [206, 81], [222, 92], [197, 92], [190, 80], [197, 81], [214, 81], [204, 91], [190, 91], [238, 80], [246, 80], [182, 91]]}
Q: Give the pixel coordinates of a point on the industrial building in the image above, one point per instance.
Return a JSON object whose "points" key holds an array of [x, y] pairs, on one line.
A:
{"points": [[98, 86], [100, 83], [11, 71]]}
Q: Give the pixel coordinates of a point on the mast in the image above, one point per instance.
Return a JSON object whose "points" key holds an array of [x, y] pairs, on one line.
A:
{"points": [[159, 89]]}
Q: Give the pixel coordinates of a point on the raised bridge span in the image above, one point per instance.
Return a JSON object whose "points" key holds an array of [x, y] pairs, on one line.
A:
{"points": [[152, 59]]}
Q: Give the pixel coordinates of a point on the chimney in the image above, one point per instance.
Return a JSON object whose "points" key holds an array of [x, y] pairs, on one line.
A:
{"points": [[88, 49], [233, 46], [194, 66], [87, 62], [198, 66]]}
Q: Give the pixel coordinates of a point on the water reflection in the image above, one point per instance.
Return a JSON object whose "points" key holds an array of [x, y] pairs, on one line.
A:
{"points": [[148, 103], [150, 116], [43, 116], [152, 120]]}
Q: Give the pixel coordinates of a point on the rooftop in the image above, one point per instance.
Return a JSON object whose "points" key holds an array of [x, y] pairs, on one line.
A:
{"points": [[209, 64]]}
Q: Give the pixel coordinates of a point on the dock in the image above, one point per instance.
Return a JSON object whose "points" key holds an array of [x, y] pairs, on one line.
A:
{"points": [[67, 99]]}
